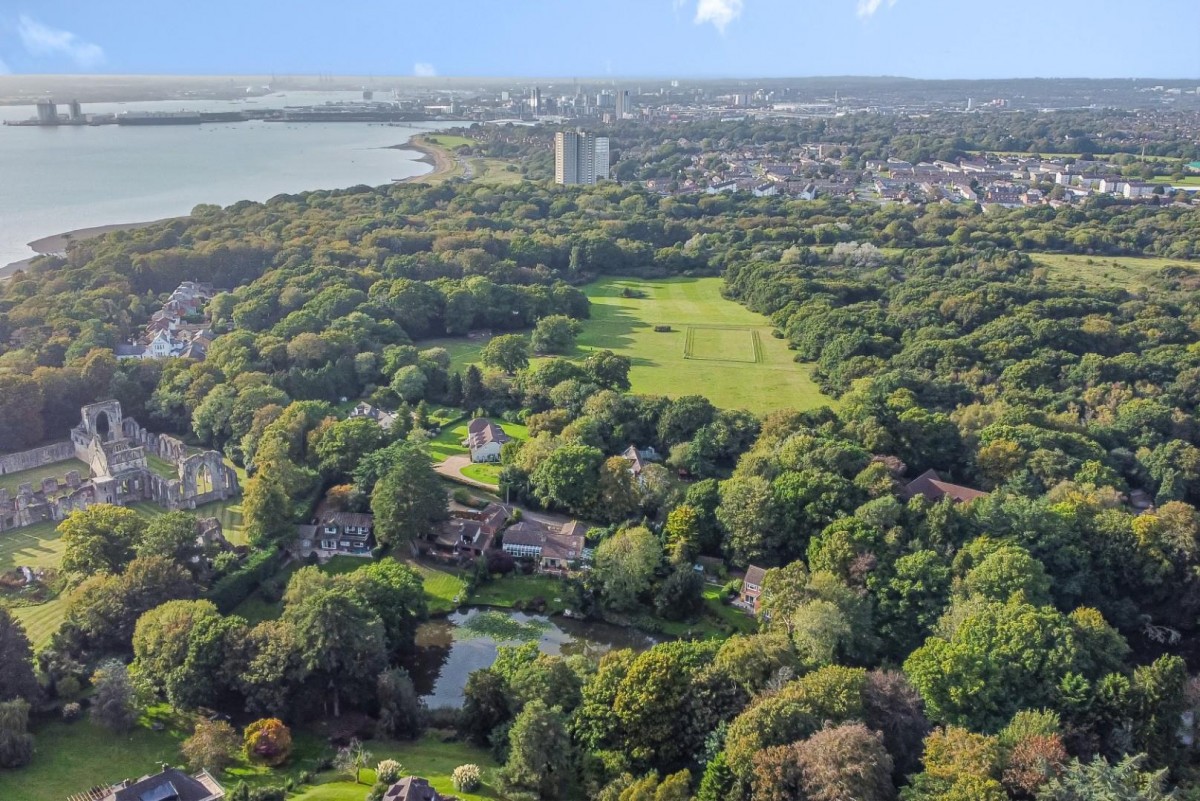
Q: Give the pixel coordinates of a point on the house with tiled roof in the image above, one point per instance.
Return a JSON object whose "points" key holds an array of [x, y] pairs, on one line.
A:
{"points": [[554, 549], [170, 784], [484, 440], [751, 591], [930, 485]]}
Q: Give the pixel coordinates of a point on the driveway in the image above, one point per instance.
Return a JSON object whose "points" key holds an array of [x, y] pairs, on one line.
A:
{"points": [[452, 467]]}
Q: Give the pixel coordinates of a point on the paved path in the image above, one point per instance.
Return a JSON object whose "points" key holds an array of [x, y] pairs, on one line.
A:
{"points": [[452, 469]]}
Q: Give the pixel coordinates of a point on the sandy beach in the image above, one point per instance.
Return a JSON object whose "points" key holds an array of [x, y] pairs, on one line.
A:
{"points": [[441, 159]]}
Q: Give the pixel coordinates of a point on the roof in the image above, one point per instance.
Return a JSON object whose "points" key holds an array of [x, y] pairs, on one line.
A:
{"points": [[411, 788], [631, 453], [566, 543], [482, 431], [930, 485], [346, 519], [169, 785], [754, 575]]}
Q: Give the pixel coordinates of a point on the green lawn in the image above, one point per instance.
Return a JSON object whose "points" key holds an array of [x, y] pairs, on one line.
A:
{"points": [[429, 758], [485, 473], [35, 546], [161, 467], [1125, 272], [506, 592], [449, 441], [70, 758], [256, 609], [444, 588], [724, 366], [11, 481], [1187, 180]]}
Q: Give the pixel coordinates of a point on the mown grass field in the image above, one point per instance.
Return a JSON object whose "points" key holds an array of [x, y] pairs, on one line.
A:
{"points": [[1124, 272], [660, 364], [35, 546], [11, 481]]}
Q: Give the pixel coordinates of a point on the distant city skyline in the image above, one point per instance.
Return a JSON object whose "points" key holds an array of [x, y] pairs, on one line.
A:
{"points": [[961, 39]]}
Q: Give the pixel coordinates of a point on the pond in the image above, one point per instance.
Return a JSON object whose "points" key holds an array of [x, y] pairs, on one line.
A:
{"points": [[449, 649]]}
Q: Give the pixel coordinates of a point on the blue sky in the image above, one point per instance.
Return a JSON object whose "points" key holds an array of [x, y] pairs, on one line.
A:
{"points": [[566, 38]]}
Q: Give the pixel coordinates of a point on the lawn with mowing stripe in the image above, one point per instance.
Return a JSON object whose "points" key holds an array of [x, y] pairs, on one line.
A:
{"points": [[58, 470], [625, 325]]}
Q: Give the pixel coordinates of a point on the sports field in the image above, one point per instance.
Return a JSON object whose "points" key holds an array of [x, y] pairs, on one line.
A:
{"points": [[1124, 272], [716, 347]]}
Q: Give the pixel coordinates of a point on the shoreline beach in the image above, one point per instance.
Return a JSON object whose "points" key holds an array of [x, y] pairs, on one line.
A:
{"points": [[442, 161]]}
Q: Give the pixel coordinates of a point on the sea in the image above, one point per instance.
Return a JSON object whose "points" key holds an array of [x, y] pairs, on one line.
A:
{"points": [[54, 180]]}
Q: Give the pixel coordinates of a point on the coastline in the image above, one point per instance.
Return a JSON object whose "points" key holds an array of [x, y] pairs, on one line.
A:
{"points": [[442, 161], [56, 244]]}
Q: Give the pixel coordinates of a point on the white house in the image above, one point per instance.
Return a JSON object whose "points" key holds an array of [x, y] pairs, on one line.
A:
{"points": [[484, 440]]}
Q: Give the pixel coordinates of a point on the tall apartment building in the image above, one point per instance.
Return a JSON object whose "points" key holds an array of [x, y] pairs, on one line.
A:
{"points": [[580, 158]]}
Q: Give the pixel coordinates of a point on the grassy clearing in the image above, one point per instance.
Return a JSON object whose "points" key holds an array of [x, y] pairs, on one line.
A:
{"points": [[660, 366], [450, 141], [713, 344], [1123, 272], [161, 467], [513, 590], [256, 609], [717, 622], [495, 171], [58, 470]]}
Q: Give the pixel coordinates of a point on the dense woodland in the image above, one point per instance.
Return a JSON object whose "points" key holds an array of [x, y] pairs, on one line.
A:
{"points": [[1039, 642]]}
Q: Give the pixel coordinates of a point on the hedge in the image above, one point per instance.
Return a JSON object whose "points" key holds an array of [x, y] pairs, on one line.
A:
{"points": [[235, 587]]}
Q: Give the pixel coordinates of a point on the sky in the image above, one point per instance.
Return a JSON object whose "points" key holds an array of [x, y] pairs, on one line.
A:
{"points": [[599, 38]]}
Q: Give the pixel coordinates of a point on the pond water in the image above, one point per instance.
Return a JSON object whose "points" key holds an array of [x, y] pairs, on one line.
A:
{"points": [[449, 649]]}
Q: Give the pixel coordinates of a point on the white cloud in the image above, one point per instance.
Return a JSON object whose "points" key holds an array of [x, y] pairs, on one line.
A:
{"points": [[423, 69], [867, 8], [42, 40], [719, 12]]}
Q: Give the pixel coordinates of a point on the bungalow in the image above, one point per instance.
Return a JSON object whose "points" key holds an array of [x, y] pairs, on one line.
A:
{"points": [[751, 588], [553, 548], [337, 533], [168, 785], [484, 440], [413, 788], [930, 485]]}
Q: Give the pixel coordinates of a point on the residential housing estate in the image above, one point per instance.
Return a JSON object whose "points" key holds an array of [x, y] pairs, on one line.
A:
{"points": [[179, 329]]}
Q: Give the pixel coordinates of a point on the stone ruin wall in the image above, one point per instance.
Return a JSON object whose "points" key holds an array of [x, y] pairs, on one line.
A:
{"points": [[38, 457], [163, 446]]}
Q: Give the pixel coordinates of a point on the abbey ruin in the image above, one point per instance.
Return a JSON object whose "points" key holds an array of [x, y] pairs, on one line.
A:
{"points": [[116, 451]]}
